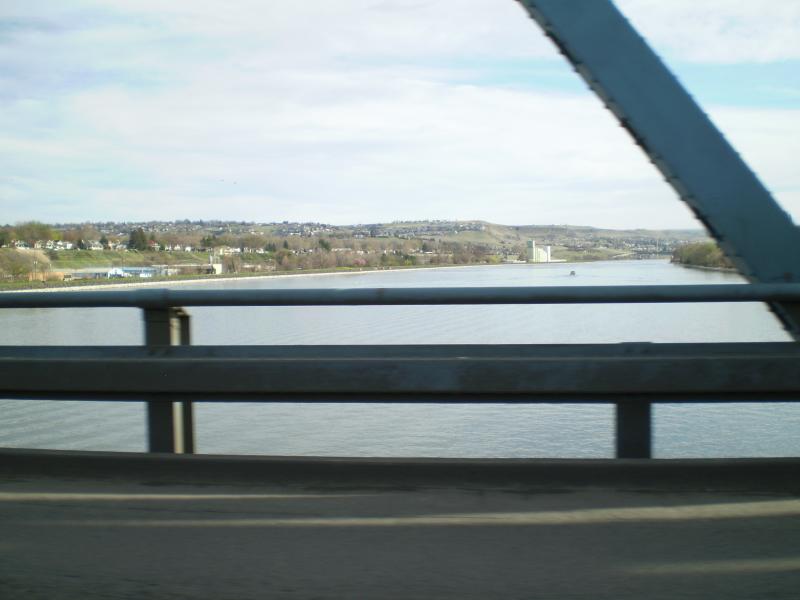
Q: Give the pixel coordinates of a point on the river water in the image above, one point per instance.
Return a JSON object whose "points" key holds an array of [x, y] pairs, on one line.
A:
{"points": [[420, 430]]}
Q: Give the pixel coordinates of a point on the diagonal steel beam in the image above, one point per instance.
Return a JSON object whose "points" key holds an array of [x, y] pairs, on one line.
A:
{"points": [[680, 140]]}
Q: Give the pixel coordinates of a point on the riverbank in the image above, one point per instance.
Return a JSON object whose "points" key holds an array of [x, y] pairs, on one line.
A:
{"points": [[94, 284], [705, 268], [102, 284]]}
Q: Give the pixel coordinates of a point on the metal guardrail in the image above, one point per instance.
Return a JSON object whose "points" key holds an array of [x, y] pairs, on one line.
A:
{"points": [[169, 375], [165, 298]]}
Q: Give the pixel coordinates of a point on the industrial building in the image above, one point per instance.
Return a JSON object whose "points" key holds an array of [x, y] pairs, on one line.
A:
{"points": [[538, 254]]}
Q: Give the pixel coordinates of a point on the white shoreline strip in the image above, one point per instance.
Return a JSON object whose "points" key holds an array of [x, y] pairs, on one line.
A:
{"points": [[172, 282]]}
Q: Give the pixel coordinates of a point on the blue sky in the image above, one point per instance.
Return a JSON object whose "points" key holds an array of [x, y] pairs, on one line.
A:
{"points": [[365, 110]]}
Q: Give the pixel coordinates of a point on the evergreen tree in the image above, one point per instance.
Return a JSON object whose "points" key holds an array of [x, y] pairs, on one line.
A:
{"points": [[137, 240]]}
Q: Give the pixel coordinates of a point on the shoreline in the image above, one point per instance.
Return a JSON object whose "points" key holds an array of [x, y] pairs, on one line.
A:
{"points": [[705, 268], [172, 282]]}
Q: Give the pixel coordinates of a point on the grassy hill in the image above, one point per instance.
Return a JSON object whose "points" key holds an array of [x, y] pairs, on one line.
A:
{"points": [[82, 259]]}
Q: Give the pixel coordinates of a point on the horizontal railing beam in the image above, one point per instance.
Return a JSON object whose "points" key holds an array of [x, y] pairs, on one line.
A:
{"points": [[507, 373], [166, 298], [417, 398]]}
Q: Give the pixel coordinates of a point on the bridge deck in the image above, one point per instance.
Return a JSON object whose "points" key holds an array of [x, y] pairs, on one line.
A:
{"points": [[98, 525]]}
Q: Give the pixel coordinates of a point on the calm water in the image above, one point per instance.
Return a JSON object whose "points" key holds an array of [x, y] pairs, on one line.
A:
{"points": [[420, 430]]}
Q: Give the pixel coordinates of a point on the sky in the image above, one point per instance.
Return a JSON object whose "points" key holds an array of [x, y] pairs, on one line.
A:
{"points": [[361, 111]]}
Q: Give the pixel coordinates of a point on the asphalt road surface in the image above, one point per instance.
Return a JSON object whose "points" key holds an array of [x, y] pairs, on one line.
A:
{"points": [[67, 537]]}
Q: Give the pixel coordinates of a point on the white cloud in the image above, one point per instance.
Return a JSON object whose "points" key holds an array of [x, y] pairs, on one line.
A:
{"points": [[769, 142], [719, 31], [405, 148], [341, 111]]}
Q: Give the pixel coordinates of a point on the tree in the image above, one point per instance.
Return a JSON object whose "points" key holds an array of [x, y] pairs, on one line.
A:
{"points": [[33, 231], [701, 254], [231, 263], [83, 232], [285, 260], [210, 241], [104, 242], [137, 240], [14, 264], [325, 245]]}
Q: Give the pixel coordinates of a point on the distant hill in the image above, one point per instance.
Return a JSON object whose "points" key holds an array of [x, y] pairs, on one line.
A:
{"points": [[36, 250]]}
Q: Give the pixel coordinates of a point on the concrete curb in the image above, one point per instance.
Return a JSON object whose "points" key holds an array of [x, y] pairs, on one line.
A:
{"points": [[758, 475]]}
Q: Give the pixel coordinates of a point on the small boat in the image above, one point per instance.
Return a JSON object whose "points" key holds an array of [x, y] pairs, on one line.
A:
{"points": [[572, 273]]}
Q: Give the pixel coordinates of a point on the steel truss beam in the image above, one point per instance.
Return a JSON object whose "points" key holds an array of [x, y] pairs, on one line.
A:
{"points": [[680, 140]]}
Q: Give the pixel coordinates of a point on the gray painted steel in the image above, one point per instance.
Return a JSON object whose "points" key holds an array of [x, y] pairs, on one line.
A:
{"points": [[166, 298], [634, 437], [186, 406], [166, 430], [159, 330], [680, 140], [589, 373]]}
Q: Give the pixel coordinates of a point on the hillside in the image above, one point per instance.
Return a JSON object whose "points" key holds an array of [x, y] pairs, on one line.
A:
{"points": [[37, 251]]}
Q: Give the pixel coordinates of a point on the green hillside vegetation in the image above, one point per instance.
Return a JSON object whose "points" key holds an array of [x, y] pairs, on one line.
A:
{"points": [[17, 265], [703, 254], [32, 252], [83, 259]]}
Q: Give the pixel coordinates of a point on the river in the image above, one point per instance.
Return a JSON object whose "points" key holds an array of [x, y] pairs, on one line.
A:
{"points": [[420, 430]]}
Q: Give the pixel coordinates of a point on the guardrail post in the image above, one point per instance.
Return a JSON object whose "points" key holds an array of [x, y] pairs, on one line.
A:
{"points": [[186, 406], [170, 425], [634, 429]]}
